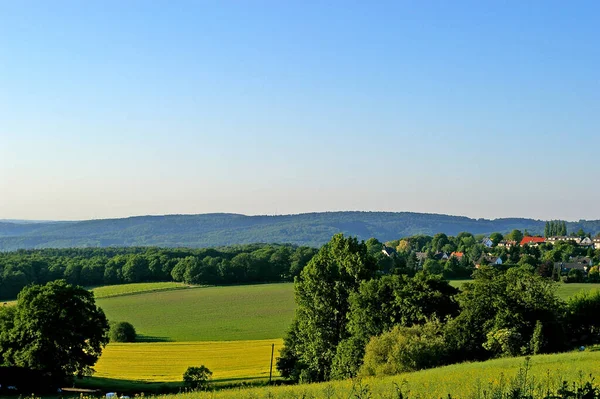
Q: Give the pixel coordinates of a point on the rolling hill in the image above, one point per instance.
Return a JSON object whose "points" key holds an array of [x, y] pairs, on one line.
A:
{"points": [[209, 230]]}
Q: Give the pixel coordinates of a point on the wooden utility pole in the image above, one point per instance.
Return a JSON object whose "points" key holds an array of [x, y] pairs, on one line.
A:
{"points": [[271, 368]]}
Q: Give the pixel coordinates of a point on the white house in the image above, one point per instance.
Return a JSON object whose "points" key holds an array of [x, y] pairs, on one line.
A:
{"points": [[487, 242]]}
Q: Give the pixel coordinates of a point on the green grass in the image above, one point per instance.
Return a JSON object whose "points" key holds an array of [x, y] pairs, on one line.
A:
{"points": [[167, 361], [460, 381], [563, 290], [568, 290], [109, 291], [249, 312]]}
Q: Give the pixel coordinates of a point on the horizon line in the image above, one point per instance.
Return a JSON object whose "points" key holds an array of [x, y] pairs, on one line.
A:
{"points": [[36, 221]]}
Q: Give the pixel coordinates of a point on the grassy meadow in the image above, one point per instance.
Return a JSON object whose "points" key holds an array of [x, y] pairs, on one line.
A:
{"points": [[249, 312], [109, 291], [564, 291], [460, 381]]}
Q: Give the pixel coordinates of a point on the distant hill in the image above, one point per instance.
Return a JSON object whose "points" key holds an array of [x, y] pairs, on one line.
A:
{"points": [[221, 229]]}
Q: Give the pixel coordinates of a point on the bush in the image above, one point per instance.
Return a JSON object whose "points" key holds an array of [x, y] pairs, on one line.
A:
{"points": [[122, 332], [575, 276], [197, 377], [348, 358], [504, 342], [405, 349], [583, 317]]}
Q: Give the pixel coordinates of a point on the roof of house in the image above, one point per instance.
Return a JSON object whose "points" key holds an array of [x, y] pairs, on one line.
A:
{"points": [[569, 265], [580, 259], [389, 251], [532, 240], [488, 258], [457, 254], [508, 242]]}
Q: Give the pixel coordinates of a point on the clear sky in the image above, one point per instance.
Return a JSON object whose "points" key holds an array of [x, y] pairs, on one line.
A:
{"points": [[479, 108]]}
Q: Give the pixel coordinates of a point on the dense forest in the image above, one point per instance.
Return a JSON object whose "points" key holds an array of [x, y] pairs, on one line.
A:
{"points": [[99, 266], [213, 230]]}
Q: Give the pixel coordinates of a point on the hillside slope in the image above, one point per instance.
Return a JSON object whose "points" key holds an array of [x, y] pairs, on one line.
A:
{"points": [[206, 230]]}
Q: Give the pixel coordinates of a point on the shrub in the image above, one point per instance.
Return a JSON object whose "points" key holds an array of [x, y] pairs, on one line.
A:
{"points": [[348, 358], [575, 276], [583, 317], [405, 349], [122, 332], [504, 342], [197, 377]]}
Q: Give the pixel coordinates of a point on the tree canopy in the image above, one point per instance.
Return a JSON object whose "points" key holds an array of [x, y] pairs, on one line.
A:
{"points": [[55, 328]]}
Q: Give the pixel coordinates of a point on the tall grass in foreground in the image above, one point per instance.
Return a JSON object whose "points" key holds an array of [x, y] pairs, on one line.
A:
{"points": [[512, 378]]}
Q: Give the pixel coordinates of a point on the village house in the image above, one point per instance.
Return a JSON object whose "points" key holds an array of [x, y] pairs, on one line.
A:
{"points": [[596, 242], [389, 251], [488, 260], [442, 256], [586, 242], [532, 241], [555, 239], [507, 243], [487, 242], [575, 262], [457, 255]]}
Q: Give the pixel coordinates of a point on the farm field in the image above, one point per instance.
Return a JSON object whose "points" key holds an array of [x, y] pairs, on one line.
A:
{"points": [[250, 312], [167, 361], [460, 381], [109, 291], [218, 313]]}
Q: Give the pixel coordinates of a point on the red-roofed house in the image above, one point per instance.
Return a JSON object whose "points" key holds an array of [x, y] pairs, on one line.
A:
{"points": [[457, 255], [533, 241]]}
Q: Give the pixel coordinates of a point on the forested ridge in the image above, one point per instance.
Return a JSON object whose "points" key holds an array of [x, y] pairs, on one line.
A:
{"points": [[213, 230]]}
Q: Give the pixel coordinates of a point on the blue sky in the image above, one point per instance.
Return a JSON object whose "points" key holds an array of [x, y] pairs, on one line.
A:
{"points": [[484, 109]]}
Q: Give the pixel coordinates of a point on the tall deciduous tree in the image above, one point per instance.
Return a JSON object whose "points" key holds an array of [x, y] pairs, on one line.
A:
{"points": [[55, 328], [322, 295]]}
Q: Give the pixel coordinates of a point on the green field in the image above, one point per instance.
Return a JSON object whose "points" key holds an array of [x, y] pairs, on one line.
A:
{"points": [[201, 321], [460, 381], [171, 313], [109, 291], [564, 291], [250, 312]]}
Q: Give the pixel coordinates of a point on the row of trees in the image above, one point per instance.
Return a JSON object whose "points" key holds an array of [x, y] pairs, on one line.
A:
{"points": [[352, 319], [555, 228], [89, 267]]}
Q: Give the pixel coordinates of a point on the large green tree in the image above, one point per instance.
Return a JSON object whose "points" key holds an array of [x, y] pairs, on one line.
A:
{"points": [[322, 297], [379, 304], [55, 328], [505, 306]]}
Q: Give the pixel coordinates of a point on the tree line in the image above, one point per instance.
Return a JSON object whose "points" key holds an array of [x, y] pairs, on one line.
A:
{"points": [[104, 266], [555, 228], [255, 263], [353, 319]]}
